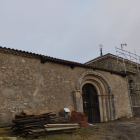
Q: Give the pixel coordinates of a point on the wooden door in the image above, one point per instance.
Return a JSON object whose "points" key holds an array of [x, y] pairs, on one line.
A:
{"points": [[91, 103]]}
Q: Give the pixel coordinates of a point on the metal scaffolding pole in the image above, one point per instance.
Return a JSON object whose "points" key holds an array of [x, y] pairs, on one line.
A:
{"points": [[124, 56]]}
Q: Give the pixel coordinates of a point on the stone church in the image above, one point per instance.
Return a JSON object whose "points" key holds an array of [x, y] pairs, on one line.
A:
{"points": [[33, 81]]}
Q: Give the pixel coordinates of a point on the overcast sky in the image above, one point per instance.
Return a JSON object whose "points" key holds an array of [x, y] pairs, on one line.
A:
{"points": [[70, 29]]}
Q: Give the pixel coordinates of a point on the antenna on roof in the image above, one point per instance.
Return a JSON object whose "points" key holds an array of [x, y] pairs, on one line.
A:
{"points": [[123, 45], [101, 47]]}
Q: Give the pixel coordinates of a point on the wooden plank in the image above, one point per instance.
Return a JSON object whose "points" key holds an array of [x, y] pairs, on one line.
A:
{"points": [[32, 120], [35, 123], [62, 128], [63, 124], [27, 118], [60, 125], [35, 112], [39, 130]]}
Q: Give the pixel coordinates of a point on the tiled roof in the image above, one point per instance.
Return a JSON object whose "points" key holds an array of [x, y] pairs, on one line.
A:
{"points": [[109, 55], [100, 57], [56, 60]]}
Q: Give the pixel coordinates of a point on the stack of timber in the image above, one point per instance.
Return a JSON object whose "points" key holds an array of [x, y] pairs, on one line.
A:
{"points": [[34, 124], [51, 129]]}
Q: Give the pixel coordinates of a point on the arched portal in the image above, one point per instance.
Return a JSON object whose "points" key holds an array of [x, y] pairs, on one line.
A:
{"points": [[103, 92], [91, 103]]}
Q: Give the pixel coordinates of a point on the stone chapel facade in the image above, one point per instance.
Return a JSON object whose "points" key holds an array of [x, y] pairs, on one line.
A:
{"points": [[32, 81], [113, 62]]}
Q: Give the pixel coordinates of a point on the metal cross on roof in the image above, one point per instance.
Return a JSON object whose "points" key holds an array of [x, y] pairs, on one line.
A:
{"points": [[101, 47]]}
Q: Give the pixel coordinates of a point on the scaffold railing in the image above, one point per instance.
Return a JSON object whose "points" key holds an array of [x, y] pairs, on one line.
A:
{"points": [[133, 58]]}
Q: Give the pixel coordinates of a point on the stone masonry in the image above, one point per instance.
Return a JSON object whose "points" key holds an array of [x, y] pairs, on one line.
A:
{"points": [[26, 83]]}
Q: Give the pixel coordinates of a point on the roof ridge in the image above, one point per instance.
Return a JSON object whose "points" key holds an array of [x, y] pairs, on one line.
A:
{"points": [[109, 54], [97, 58]]}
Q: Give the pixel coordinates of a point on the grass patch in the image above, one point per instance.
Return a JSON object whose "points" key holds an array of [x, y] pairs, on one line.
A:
{"points": [[5, 139], [5, 133], [58, 137], [81, 134]]}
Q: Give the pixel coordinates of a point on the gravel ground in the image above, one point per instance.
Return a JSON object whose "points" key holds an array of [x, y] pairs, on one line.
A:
{"points": [[123, 129]]}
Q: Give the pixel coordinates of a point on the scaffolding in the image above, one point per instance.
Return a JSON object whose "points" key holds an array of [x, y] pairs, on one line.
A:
{"points": [[134, 61], [133, 82]]}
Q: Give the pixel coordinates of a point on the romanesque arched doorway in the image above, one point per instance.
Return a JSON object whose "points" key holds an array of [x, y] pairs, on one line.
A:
{"points": [[91, 103]]}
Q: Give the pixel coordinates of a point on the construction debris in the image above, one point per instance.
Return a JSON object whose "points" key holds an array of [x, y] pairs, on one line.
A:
{"points": [[33, 124], [79, 117]]}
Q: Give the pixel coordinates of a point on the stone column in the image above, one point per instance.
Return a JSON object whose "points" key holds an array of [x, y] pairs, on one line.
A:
{"points": [[111, 108], [114, 108], [78, 101], [101, 107], [104, 108], [108, 107]]}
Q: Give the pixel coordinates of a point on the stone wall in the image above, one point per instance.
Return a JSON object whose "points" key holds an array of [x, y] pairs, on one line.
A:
{"points": [[119, 90], [112, 63], [118, 65], [103, 63], [26, 83]]}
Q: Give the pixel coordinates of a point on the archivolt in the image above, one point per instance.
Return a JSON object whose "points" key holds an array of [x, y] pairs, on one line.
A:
{"points": [[107, 104], [98, 79]]}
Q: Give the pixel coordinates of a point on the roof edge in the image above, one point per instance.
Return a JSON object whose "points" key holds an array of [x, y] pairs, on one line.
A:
{"points": [[56, 60], [109, 55], [97, 58]]}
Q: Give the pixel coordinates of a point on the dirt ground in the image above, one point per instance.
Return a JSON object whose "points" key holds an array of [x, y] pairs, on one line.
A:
{"points": [[121, 129]]}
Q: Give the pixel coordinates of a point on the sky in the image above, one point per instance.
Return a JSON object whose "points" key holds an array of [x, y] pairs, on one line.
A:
{"points": [[70, 29]]}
